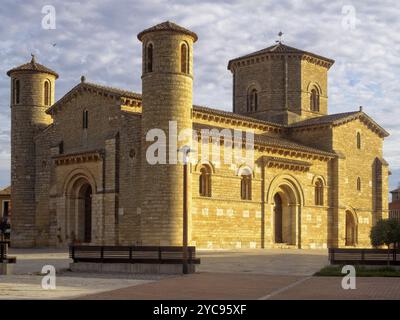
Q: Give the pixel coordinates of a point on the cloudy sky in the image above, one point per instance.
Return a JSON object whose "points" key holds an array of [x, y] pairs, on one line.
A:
{"points": [[98, 39]]}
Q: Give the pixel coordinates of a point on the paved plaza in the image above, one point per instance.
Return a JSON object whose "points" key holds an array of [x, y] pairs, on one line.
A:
{"points": [[224, 274], [256, 287], [264, 261]]}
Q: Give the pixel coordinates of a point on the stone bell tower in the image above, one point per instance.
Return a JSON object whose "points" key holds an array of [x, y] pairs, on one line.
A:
{"points": [[281, 84], [32, 92], [167, 85]]}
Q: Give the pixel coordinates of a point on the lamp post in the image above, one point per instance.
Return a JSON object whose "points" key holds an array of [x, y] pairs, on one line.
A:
{"points": [[185, 157]]}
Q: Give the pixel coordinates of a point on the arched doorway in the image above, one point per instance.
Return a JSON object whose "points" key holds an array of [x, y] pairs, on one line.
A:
{"points": [[82, 214], [286, 197], [79, 207], [278, 218], [351, 229], [285, 216]]}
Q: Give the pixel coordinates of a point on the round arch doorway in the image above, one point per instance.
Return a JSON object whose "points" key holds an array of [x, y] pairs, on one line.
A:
{"points": [[285, 215], [79, 211]]}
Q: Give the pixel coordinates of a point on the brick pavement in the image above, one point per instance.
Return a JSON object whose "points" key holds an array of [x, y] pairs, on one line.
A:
{"points": [[213, 286]]}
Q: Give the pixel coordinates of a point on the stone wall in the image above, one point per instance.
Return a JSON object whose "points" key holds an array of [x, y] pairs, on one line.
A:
{"points": [[359, 163], [28, 118], [129, 179], [225, 221]]}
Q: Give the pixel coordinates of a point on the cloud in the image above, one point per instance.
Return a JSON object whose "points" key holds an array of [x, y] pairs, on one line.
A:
{"points": [[98, 39]]}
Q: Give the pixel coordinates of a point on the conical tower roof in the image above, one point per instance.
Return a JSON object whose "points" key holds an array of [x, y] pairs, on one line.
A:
{"points": [[282, 49], [168, 26], [32, 66]]}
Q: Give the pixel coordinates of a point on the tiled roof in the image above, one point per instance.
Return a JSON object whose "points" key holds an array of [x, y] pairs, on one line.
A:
{"points": [[120, 92], [168, 26], [134, 95], [282, 142], [234, 115], [5, 191], [281, 48], [32, 66], [337, 119], [274, 141], [328, 119], [94, 86], [332, 119]]}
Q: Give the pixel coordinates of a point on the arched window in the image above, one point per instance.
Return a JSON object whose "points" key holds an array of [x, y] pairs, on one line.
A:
{"points": [[85, 119], [358, 184], [16, 91], [149, 58], [47, 93], [314, 100], [358, 140], [184, 58], [252, 100], [319, 193], [245, 187], [205, 181]]}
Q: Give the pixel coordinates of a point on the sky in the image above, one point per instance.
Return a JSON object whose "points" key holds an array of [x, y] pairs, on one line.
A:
{"points": [[98, 39]]}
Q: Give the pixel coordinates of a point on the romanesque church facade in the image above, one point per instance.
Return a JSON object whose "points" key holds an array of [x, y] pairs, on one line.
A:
{"points": [[80, 171]]}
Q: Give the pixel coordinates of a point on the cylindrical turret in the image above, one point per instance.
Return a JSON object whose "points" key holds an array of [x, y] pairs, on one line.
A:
{"points": [[32, 92], [167, 85]]}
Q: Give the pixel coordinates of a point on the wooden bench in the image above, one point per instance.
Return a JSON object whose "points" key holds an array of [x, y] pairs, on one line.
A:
{"points": [[132, 254], [364, 256]]}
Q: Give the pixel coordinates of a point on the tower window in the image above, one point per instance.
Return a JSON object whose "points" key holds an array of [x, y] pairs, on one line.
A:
{"points": [[252, 100], [16, 91], [85, 119], [149, 58], [205, 181], [319, 193], [314, 100], [358, 184], [245, 187], [47, 93], [358, 140], [184, 58]]}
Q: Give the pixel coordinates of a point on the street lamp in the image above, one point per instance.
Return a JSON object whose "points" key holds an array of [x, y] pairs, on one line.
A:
{"points": [[185, 157]]}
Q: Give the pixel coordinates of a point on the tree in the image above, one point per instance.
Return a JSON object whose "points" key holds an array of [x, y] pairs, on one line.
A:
{"points": [[386, 232]]}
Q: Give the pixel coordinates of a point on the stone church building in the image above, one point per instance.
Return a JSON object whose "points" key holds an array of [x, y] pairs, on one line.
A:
{"points": [[80, 171]]}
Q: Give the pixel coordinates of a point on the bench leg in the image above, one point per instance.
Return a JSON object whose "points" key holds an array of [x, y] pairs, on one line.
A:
{"points": [[6, 269]]}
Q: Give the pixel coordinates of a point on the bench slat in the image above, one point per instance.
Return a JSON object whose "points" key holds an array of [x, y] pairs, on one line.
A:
{"points": [[132, 254]]}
